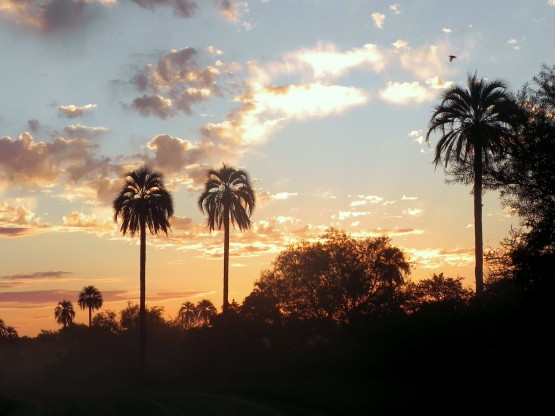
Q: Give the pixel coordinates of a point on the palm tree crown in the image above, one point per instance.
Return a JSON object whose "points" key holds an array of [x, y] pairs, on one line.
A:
{"points": [[476, 124], [205, 311], [64, 313], [143, 201], [90, 298], [143, 196], [227, 189], [187, 316], [228, 196]]}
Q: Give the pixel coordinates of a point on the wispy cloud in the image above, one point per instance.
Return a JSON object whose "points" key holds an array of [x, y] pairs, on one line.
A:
{"points": [[234, 11], [325, 60], [513, 43], [405, 93], [181, 8], [395, 8], [73, 111], [432, 258]]}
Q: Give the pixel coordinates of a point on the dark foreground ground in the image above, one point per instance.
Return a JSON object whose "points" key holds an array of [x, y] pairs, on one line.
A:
{"points": [[489, 361]]}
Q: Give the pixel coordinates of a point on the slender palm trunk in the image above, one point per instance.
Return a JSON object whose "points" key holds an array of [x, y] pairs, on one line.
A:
{"points": [[90, 316], [478, 236], [226, 259], [142, 310]]}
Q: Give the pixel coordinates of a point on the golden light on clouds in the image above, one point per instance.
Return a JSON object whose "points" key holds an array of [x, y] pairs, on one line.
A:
{"points": [[327, 61], [434, 258], [404, 93], [308, 100], [379, 19]]}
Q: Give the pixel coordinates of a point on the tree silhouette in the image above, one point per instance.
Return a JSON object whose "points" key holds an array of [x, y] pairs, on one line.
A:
{"points": [[108, 320], [205, 311], [228, 196], [339, 278], [7, 333], [187, 317], [143, 201], [64, 313], [90, 298], [476, 124]]}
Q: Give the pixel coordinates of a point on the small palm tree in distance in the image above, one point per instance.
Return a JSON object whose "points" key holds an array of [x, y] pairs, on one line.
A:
{"points": [[142, 202], [187, 317], [64, 313], [90, 298], [228, 197]]}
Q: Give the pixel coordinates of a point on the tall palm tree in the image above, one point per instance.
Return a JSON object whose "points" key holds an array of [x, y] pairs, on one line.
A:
{"points": [[143, 201], [64, 313], [228, 196], [91, 298], [205, 311], [475, 123]]}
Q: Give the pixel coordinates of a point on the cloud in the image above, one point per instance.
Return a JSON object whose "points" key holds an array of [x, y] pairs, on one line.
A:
{"points": [[233, 11], [40, 298], [154, 105], [51, 16], [390, 232], [413, 212], [16, 220], [36, 275], [378, 19], [73, 111], [80, 131], [401, 43], [446, 30], [172, 154], [327, 61], [513, 43], [307, 100], [283, 195], [177, 82], [78, 219], [550, 3], [343, 215], [181, 8], [26, 161], [432, 258], [405, 93], [395, 8], [428, 61]]}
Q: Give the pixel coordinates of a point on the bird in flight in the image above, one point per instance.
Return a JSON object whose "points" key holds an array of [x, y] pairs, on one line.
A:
{"points": [[451, 57]]}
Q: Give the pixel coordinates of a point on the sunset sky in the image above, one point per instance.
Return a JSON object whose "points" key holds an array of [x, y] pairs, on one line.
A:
{"points": [[324, 102]]}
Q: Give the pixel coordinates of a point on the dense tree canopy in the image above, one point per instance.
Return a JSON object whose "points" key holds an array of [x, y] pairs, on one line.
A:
{"points": [[526, 180], [337, 278]]}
